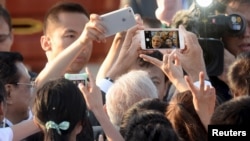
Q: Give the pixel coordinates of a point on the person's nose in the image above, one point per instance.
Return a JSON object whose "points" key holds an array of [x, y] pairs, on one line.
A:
{"points": [[247, 31]]}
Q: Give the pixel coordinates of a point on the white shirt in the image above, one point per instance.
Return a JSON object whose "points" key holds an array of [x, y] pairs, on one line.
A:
{"points": [[6, 134]]}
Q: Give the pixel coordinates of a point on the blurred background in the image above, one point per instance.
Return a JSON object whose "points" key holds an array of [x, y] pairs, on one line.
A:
{"points": [[27, 18]]}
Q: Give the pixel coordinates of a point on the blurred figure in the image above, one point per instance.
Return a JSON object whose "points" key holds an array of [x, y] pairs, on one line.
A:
{"points": [[6, 34], [169, 43], [166, 9], [146, 9], [3, 107], [239, 44], [233, 112], [238, 75]]}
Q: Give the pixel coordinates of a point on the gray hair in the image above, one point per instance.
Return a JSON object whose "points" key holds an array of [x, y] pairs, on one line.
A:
{"points": [[127, 90]]}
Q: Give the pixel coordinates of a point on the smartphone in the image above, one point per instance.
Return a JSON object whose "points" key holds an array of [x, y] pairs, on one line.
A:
{"points": [[118, 20], [77, 78], [161, 38]]}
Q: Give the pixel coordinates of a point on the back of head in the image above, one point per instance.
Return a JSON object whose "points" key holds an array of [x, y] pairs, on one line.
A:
{"points": [[62, 7], [184, 118], [146, 125], [127, 90], [233, 112], [238, 75], [151, 104], [60, 101], [8, 69]]}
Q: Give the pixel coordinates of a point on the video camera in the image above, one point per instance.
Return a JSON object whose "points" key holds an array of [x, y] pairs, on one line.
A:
{"points": [[210, 29]]}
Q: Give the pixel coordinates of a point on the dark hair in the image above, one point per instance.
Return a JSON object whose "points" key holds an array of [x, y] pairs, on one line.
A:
{"points": [[232, 112], [8, 69], [184, 118], [238, 75], [146, 125], [151, 104], [61, 100], [60, 7], [6, 16], [145, 121], [3, 93], [156, 54]]}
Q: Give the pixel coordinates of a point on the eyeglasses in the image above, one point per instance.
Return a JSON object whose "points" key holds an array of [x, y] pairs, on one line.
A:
{"points": [[3, 37], [30, 85]]}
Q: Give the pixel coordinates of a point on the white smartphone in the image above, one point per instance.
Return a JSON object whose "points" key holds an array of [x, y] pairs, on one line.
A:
{"points": [[77, 78], [161, 38], [118, 20]]}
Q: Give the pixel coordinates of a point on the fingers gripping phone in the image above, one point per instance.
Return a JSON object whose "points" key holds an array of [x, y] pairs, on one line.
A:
{"points": [[77, 78], [161, 38], [118, 20]]}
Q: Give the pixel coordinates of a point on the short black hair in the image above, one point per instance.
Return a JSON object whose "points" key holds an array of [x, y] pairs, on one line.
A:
{"points": [[8, 69], [63, 6], [3, 93]]}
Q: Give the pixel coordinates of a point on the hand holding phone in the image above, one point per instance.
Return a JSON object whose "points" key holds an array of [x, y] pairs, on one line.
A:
{"points": [[161, 38], [118, 20]]}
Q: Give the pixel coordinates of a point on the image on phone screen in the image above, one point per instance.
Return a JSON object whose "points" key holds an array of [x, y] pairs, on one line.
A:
{"points": [[161, 39]]}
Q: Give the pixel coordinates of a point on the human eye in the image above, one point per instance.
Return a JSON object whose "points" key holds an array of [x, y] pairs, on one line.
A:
{"points": [[69, 36], [156, 82]]}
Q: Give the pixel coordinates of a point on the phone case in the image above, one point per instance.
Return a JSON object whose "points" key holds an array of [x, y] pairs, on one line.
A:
{"points": [[118, 20]]}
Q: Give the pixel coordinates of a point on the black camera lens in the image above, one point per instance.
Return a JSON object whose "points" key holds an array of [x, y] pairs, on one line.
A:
{"points": [[236, 25]]}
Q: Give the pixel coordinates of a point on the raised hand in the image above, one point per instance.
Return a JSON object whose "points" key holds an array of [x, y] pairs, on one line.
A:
{"points": [[94, 30], [204, 99], [171, 66]]}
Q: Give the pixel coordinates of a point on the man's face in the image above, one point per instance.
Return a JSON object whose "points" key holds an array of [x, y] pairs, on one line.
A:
{"points": [[6, 37], [157, 76], [235, 45], [169, 42], [64, 33], [21, 95], [156, 42]]}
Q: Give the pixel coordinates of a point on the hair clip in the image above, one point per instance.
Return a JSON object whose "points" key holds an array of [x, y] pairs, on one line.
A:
{"points": [[61, 126]]}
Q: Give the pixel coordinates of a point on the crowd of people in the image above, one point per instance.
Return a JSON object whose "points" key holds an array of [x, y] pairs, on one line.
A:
{"points": [[151, 95]]}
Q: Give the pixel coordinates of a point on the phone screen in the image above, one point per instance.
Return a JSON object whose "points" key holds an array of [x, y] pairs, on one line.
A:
{"points": [[161, 39], [77, 78]]}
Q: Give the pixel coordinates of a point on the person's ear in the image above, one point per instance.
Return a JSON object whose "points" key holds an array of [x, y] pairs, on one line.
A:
{"points": [[45, 43], [2, 108], [9, 90], [78, 128]]}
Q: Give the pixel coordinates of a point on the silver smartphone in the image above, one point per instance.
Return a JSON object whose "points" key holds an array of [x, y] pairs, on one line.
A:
{"points": [[118, 20]]}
